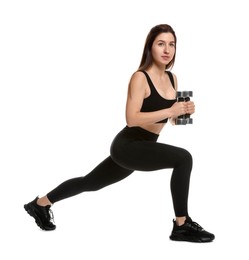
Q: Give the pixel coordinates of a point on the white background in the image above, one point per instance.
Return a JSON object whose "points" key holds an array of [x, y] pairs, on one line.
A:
{"points": [[65, 67]]}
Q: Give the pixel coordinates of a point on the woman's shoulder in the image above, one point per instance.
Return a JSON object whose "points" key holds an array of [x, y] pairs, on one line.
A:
{"points": [[137, 81], [138, 76]]}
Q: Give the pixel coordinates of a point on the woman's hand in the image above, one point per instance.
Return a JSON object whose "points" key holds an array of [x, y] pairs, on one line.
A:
{"points": [[178, 109], [190, 107], [181, 108]]}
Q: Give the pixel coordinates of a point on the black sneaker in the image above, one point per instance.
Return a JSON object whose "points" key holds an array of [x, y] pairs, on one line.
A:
{"points": [[190, 231], [42, 215]]}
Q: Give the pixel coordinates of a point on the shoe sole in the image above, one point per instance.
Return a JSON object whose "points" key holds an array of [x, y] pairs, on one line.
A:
{"points": [[31, 211], [190, 239]]}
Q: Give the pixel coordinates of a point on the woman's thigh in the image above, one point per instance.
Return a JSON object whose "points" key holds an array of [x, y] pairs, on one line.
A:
{"points": [[149, 156]]}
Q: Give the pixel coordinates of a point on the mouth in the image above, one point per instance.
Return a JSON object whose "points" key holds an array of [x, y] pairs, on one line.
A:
{"points": [[166, 57]]}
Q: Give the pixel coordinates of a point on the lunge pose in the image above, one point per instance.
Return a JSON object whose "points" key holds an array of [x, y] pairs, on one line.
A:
{"points": [[151, 102]]}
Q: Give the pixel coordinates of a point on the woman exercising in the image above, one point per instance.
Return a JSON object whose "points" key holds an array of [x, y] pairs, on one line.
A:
{"points": [[151, 102]]}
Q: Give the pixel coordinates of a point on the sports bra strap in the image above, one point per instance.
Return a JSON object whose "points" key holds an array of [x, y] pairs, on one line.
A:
{"points": [[168, 72], [148, 80], [171, 78]]}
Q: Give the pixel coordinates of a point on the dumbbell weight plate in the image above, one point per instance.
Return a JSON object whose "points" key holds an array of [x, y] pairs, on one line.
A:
{"points": [[181, 121], [184, 94]]}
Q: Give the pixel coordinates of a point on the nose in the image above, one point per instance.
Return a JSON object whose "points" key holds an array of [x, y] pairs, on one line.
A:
{"points": [[166, 49]]}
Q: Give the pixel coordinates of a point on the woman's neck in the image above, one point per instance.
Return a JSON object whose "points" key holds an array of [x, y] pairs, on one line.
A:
{"points": [[156, 70]]}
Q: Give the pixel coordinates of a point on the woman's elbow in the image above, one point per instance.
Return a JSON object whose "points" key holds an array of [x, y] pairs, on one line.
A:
{"points": [[131, 122]]}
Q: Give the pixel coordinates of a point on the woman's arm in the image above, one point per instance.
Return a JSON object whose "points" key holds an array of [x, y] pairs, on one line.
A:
{"points": [[135, 97]]}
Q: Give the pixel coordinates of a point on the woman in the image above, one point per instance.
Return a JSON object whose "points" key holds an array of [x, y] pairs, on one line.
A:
{"points": [[151, 101]]}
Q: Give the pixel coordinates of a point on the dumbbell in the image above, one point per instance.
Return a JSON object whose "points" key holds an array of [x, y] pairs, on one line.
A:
{"points": [[184, 96]]}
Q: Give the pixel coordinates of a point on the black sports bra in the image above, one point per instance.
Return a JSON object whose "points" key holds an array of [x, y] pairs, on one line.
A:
{"points": [[155, 101]]}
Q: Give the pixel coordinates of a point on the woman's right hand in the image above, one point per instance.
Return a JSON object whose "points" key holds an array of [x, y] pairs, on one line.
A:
{"points": [[178, 109]]}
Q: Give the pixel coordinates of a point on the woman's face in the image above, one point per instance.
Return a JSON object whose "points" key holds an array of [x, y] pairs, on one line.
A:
{"points": [[163, 49]]}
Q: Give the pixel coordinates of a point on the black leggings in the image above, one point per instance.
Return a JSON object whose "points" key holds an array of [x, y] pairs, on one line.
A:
{"points": [[135, 148]]}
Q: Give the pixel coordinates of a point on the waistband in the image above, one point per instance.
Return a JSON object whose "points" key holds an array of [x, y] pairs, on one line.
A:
{"points": [[140, 133]]}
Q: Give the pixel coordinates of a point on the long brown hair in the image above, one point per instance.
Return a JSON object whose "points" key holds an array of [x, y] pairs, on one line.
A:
{"points": [[147, 59]]}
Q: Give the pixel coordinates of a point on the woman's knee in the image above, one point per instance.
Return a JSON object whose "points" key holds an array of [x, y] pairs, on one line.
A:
{"points": [[186, 157]]}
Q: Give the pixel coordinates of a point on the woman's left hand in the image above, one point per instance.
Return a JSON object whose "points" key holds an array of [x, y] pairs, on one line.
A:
{"points": [[190, 107]]}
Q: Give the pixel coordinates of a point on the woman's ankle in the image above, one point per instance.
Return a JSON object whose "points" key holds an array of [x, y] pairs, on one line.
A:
{"points": [[43, 201], [180, 220]]}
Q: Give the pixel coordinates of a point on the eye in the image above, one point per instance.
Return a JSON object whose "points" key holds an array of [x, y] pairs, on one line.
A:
{"points": [[161, 44], [172, 44]]}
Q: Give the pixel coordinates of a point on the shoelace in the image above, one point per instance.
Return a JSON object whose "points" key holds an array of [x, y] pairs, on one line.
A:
{"points": [[195, 226]]}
